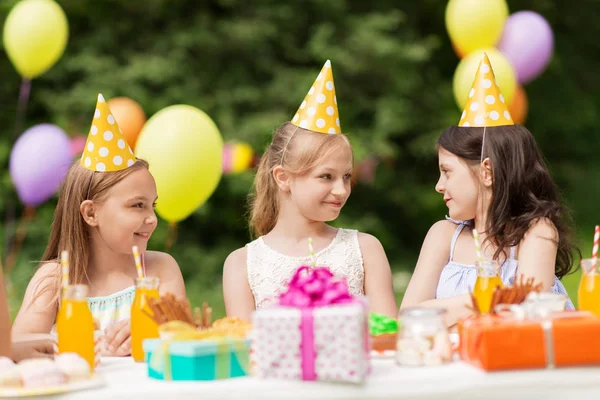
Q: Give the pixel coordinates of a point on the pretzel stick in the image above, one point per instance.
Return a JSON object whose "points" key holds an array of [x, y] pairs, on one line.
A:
{"points": [[516, 294], [187, 309], [170, 308], [148, 314], [198, 318], [206, 315], [474, 306]]}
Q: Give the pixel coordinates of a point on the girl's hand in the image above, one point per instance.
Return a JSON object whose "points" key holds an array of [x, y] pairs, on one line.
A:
{"points": [[117, 339], [38, 348]]}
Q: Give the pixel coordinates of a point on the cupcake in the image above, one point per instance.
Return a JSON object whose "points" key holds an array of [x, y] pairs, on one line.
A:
{"points": [[9, 374], [73, 366], [40, 372]]}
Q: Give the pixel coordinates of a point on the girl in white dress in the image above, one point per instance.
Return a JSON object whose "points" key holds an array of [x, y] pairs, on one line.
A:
{"points": [[302, 182]]}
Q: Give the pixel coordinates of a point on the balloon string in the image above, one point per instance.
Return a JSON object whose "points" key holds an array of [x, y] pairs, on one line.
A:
{"points": [[22, 102], [11, 259], [171, 235], [26, 217]]}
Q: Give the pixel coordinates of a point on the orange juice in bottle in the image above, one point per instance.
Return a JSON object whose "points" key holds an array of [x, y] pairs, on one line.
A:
{"points": [[142, 326], [75, 325], [488, 279], [589, 287]]}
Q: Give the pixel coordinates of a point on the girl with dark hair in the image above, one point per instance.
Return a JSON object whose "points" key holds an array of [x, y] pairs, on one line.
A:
{"points": [[493, 178]]}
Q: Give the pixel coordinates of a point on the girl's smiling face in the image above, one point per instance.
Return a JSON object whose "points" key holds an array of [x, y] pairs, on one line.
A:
{"points": [[459, 185], [321, 192], [127, 216]]}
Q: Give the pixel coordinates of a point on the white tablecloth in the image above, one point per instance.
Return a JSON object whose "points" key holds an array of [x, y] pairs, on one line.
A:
{"points": [[126, 380]]}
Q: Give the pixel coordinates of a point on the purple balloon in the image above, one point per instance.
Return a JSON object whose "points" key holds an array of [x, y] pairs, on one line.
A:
{"points": [[39, 162], [527, 41]]}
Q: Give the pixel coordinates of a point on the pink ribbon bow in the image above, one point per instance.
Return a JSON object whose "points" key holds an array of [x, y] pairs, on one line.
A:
{"points": [[315, 287]]}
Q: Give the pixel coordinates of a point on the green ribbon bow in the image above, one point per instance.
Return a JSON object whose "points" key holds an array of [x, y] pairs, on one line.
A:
{"points": [[380, 324]]}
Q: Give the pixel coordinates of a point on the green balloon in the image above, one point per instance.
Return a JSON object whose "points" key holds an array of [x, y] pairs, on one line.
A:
{"points": [[185, 150], [35, 36]]}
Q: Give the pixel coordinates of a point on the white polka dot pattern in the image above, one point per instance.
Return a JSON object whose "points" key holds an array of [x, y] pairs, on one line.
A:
{"points": [[341, 343], [318, 112], [485, 104], [106, 148]]}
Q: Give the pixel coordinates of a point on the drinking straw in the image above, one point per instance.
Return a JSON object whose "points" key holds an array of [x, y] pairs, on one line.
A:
{"points": [[138, 261], [477, 245], [311, 251], [595, 247], [64, 262]]}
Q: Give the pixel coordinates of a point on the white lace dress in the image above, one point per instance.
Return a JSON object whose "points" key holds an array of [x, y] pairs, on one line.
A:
{"points": [[270, 271]]}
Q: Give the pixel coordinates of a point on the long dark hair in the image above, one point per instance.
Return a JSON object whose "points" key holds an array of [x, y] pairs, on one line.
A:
{"points": [[523, 191]]}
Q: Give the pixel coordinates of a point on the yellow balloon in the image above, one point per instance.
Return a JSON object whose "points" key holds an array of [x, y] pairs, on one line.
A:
{"points": [[475, 24], [184, 148], [242, 157], [35, 36], [467, 68]]}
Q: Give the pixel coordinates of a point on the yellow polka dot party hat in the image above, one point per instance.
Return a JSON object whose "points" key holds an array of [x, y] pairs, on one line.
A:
{"points": [[318, 112], [485, 104], [106, 148]]}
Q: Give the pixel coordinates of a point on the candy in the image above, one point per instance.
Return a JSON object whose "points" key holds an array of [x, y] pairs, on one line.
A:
{"points": [[423, 338]]}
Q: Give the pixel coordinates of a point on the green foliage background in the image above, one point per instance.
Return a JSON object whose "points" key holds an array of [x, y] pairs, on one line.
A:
{"points": [[248, 64]]}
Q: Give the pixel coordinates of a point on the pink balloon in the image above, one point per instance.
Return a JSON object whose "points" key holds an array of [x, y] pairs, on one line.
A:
{"points": [[227, 157], [527, 41], [77, 145]]}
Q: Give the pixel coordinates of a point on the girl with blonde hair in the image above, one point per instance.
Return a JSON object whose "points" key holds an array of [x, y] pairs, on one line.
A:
{"points": [[303, 181]]}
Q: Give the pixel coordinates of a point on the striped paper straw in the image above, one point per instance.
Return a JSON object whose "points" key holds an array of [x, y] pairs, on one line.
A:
{"points": [[595, 247], [477, 245], [64, 263], [138, 261], [311, 251]]}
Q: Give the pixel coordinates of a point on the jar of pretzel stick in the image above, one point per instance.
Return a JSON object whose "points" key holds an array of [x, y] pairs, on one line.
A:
{"points": [[422, 337]]}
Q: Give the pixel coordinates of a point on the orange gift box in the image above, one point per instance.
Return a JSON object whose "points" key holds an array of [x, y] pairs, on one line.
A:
{"points": [[499, 343]]}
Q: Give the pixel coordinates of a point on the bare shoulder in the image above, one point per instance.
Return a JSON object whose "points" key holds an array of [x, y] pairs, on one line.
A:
{"points": [[44, 285], [542, 228], [438, 239], [368, 242], [46, 276], [442, 229], [158, 262], [40, 304], [236, 261], [47, 269]]}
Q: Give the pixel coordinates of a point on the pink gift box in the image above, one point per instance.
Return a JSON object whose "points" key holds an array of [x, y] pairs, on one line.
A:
{"points": [[328, 343]]}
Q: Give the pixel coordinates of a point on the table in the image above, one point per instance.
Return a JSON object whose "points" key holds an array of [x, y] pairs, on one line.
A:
{"points": [[126, 380]]}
